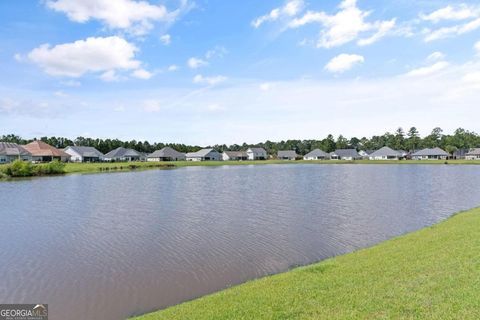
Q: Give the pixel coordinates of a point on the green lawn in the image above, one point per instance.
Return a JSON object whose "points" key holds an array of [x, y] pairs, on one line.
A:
{"points": [[433, 273]]}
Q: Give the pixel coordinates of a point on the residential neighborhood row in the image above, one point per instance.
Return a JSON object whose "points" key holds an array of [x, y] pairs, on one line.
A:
{"points": [[39, 151]]}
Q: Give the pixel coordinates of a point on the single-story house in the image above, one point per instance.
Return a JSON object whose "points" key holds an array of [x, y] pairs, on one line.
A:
{"points": [[316, 154], [166, 154], [473, 154], [386, 153], [460, 154], [123, 154], [234, 155], [430, 154], [257, 154], [287, 155], [43, 152], [84, 154], [204, 155], [345, 154], [10, 152]]}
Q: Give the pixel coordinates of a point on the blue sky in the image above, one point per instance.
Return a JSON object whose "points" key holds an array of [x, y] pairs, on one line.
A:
{"points": [[211, 71]]}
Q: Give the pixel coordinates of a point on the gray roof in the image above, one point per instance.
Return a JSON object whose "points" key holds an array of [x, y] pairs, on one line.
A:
{"points": [[347, 153], [287, 154], [236, 154], [200, 153], [166, 152], [317, 153], [89, 152], [122, 152], [431, 152], [258, 150], [474, 152], [12, 149], [386, 152]]}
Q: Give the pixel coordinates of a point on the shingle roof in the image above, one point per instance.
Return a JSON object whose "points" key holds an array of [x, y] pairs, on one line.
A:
{"points": [[200, 153], [122, 152], [347, 153], [13, 149], [386, 152], [431, 152], [258, 150], [42, 149], [474, 152], [238, 154], [166, 152], [287, 154], [317, 153], [90, 152]]}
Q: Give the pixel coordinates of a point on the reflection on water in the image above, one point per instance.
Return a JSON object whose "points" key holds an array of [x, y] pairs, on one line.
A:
{"points": [[108, 246]]}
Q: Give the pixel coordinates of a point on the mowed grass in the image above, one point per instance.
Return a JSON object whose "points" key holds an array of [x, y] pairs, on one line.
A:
{"points": [[125, 166], [433, 273]]}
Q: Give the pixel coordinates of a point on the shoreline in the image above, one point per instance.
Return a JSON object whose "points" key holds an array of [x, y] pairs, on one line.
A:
{"points": [[407, 276], [107, 167]]}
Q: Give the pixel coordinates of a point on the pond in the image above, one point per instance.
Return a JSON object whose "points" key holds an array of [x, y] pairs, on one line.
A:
{"points": [[109, 246]]}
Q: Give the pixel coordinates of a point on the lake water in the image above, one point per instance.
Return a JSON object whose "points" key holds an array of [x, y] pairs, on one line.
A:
{"points": [[108, 246]]}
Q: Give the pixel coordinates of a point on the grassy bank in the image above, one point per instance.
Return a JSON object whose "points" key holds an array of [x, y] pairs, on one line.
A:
{"points": [[430, 274]]}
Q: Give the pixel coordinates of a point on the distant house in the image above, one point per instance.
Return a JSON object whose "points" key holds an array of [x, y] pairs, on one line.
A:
{"points": [[460, 154], [473, 154], [365, 153], [84, 154], [43, 152], [430, 154], [345, 154], [123, 154], [10, 152], [287, 155], [166, 154], [386, 153], [316, 154], [257, 154], [234, 155], [204, 155]]}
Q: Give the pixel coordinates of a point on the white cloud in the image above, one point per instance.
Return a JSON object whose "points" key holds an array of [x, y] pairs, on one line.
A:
{"points": [[199, 79], [110, 76], [218, 51], [83, 56], [142, 74], [343, 62], [477, 47], [166, 39], [215, 107], [71, 83], [429, 70], [460, 12], [436, 56], [60, 94], [172, 68], [290, 9], [136, 17], [469, 15], [347, 25], [18, 57], [152, 105], [265, 86], [195, 63]]}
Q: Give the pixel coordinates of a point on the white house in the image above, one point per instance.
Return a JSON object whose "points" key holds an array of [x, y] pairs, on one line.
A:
{"points": [[257, 154], [316, 154], [166, 154], [10, 152], [204, 155], [84, 154], [430, 154], [473, 154], [287, 155], [345, 154], [123, 154], [386, 153], [234, 155]]}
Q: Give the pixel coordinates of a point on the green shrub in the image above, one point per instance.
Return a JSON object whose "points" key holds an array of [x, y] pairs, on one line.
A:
{"points": [[19, 168]]}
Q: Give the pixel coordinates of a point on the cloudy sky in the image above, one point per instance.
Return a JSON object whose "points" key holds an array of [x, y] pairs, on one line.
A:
{"points": [[216, 71]]}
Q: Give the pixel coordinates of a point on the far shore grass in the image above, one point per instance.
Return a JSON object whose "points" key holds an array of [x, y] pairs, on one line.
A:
{"points": [[433, 273]]}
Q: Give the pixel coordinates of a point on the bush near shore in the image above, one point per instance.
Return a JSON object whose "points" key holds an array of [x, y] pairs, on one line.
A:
{"points": [[21, 168]]}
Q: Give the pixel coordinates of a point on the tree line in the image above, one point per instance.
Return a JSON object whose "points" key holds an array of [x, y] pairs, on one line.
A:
{"points": [[399, 140]]}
